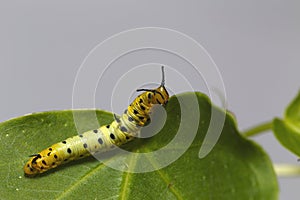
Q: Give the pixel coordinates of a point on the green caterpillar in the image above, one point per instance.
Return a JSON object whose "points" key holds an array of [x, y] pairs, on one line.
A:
{"points": [[122, 130]]}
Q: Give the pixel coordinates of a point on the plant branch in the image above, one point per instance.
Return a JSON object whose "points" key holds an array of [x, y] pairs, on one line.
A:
{"points": [[284, 170], [266, 126]]}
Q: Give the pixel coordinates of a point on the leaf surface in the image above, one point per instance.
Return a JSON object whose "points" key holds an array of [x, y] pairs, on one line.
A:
{"points": [[287, 130], [236, 168]]}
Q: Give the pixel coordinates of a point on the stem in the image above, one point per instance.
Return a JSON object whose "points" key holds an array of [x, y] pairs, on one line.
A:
{"points": [[266, 126], [284, 170]]}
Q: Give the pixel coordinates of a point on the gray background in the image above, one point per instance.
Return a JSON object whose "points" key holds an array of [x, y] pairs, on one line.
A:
{"points": [[255, 44]]}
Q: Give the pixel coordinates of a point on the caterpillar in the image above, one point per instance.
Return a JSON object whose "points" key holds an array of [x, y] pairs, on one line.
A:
{"points": [[120, 131]]}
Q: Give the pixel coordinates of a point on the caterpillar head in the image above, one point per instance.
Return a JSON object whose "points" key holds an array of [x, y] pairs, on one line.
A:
{"points": [[162, 92], [159, 95]]}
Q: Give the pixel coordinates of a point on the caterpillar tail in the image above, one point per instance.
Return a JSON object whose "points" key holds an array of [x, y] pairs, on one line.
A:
{"points": [[91, 142]]}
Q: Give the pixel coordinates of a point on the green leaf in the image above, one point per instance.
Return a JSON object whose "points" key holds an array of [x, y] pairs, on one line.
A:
{"points": [[287, 130], [236, 168]]}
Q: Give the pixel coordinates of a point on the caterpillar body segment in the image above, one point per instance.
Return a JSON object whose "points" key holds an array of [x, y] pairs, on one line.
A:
{"points": [[120, 131]]}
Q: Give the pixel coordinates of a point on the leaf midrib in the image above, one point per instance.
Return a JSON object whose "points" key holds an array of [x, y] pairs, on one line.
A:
{"points": [[164, 178], [82, 179], [123, 192]]}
